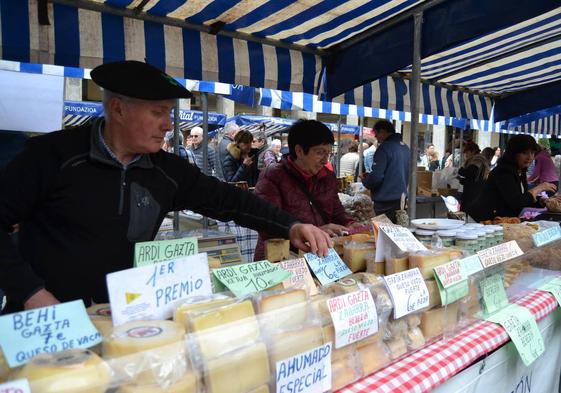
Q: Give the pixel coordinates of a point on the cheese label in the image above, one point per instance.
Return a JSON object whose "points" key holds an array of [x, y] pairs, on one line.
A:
{"points": [[408, 291], [307, 372], [390, 235], [547, 236], [327, 269], [300, 275], [148, 253], [523, 330], [449, 274], [493, 295], [249, 278], [354, 317], [553, 287], [453, 292], [15, 386], [47, 329], [499, 254], [470, 265], [154, 291]]}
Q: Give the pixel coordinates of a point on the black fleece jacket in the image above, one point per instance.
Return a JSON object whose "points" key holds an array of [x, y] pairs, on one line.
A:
{"points": [[81, 212]]}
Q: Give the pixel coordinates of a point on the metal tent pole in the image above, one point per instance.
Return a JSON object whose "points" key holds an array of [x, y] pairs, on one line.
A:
{"points": [[339, 147], [461, 146], [360, 142], [176, 151], [415, 90], [204, 102]]}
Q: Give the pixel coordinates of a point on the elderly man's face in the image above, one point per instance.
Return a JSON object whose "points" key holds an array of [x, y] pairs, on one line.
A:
{"points": [[144, 124]]}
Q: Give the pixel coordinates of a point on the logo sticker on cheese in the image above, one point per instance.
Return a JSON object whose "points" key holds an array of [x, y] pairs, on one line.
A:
{"points": [[131, 297], [144, 331]]}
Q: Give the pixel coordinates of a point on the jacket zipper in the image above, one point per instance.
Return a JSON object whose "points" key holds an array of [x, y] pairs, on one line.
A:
{"points": [[122, 191]]}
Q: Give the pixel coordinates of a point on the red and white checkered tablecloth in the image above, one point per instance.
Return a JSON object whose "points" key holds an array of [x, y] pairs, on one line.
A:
{"points": [[429, 367]]}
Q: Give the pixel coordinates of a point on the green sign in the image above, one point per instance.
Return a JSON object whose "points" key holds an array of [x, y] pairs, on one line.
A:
{"points": [[554, 287], [252, 277], [148, 253], [522, 329], [452, 293], [547, 236], [493, 294]]}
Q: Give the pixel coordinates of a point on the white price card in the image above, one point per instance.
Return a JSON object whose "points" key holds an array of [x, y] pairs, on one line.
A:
{"points": [[408, 291], [354, 316], [499, 254], [307, 372], [402, 238], [15, 386], [153, 291], [547, 236]]}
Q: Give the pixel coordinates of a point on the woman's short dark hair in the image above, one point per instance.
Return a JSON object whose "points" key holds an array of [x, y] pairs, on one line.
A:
{"points": [[384, 125], [243, 136], [471, 147], [488, 153], [518, 144], [308, 133]]}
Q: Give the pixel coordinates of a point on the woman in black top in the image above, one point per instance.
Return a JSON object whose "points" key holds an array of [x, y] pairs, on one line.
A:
{"points": [[505, 192]]}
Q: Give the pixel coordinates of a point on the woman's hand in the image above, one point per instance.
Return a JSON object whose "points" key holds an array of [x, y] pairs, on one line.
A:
{"points": [[547, 187], [247, 161], [334, 229]]}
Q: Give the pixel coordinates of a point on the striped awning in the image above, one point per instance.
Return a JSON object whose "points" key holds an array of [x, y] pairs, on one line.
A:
{"points": [[503, 128], [77, 113], [544, 121], [308, 102]]}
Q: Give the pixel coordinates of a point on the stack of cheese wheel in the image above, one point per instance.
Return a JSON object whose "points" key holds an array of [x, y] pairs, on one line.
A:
{"points": [[100, 315], [147, 352], [71, 371]]}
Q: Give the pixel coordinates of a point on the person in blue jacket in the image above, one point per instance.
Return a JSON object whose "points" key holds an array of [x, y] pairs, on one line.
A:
{"points": [[389, 177]]}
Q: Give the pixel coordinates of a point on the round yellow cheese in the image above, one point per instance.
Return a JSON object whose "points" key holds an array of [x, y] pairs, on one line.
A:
{"points": [[71, 371], [100, 315], [187, 384]]}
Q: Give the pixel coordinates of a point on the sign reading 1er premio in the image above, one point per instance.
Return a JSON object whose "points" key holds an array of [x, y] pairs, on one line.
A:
{"points": [[408, 291], [251, 277], [354, 317], [148, 253], [327, 269], [307, 372], [47, 329], [153, 291]]}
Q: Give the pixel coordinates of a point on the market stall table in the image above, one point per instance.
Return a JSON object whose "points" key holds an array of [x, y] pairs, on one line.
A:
{"points": [[431, 366]]}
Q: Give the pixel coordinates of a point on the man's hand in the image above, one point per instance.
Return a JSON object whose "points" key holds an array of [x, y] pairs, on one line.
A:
{"points": [[41, 298], [310, 238], [334, 229], [247, 161]]}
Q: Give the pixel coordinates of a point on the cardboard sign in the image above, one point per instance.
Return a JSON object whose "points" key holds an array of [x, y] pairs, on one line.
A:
{"points": [[47, 329], [523, 330], [354, 317], [493, 294], [15, 386], [499, 254], [395, 235], [300, 275], [153, 291], [328, 269], [546, 236], [148, 253], [307, 372], [470, 265], [408, 291], [249, 278], [553, 287]]}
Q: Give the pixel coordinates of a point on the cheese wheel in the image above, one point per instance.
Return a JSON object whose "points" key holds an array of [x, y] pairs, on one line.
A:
{"points": [[71, 371], [100, 315], [287, 309], [137, 336], [225, 328], [238, 371], [184, 311], [341, 287], [187, 384]]}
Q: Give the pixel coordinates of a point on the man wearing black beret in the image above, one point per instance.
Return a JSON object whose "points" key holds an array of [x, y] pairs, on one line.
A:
{"points": [[84, 196]]}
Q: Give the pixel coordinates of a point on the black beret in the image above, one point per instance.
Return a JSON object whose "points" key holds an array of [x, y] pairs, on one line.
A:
{"points": [[138, 80]]}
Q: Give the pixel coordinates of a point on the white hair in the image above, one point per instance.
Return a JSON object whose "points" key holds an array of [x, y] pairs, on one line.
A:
{"points": [[196, 130], [276, 142], [231, 129]]}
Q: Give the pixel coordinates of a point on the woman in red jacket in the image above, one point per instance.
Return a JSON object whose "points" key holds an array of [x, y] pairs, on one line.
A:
{"points": [[302, 185]]}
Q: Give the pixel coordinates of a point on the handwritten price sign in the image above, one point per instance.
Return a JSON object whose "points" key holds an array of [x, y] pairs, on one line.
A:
{"points": [[249, 278], [408, 291]]}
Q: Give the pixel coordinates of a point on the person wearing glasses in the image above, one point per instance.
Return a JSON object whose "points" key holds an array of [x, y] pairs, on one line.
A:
{"points": [[301, 184], [196, 147], [84, 197]]}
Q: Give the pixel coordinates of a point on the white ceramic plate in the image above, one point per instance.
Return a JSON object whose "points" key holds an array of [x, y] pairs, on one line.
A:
{"points": [[436, 223]]}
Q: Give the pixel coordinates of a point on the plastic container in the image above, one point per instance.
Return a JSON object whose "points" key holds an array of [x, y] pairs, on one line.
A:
{"points": [[490, 236], [481, 239], [448, 237], [467, 242], [424, 236]]}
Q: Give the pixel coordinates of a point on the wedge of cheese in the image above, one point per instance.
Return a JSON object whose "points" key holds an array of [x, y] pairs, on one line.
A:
{"points": [[434, 294], [355, 255], [225, 328], [396, 265], [287, 344], [70, 371], [184, 311], [285, 308], [239, 371], [277, 250], [426, 261], [434, 322]]}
